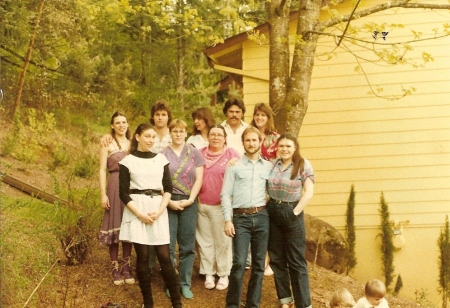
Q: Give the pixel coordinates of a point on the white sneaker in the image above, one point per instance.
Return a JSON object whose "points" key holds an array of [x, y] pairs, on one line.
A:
{"points": [[222, 284], [210, 282]]}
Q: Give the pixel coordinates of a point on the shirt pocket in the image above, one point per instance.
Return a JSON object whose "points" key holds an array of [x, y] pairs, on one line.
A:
{"points": [[264, 175], [244, 174]]}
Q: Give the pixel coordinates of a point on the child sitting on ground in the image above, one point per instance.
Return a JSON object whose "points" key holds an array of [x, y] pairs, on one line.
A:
{"points": [[375, 291], [342, 298]]}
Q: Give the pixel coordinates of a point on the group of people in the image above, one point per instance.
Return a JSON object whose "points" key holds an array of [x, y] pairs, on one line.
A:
{"points": [[237, 190], [374, 291]]}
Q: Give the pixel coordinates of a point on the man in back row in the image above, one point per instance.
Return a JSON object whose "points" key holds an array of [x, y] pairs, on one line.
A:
{"points": [[234, 110], [243, 199]]}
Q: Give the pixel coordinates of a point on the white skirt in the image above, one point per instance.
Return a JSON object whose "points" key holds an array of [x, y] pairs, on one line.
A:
{"points": [[134, 230]]}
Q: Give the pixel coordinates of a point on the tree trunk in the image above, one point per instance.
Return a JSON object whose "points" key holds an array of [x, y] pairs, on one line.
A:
{"points": [[181, 52], [143, 55], [27, 59], [180, 71], [279, 11], [299, 83]]}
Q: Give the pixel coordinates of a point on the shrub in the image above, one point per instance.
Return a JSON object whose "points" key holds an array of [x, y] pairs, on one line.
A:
{"points": [[387, 246], [86, 166], [398, 285], [350, 228], [444, 263]]}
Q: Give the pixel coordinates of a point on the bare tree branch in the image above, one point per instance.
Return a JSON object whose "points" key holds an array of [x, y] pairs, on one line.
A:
{"points": [[348, 23], [378, 8]]}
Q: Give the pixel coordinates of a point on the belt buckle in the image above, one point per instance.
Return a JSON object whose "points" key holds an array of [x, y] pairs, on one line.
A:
{"points": [[254, 210]]}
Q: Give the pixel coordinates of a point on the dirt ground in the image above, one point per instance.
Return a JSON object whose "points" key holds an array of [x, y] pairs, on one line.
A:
{"points": [[323, 283]]}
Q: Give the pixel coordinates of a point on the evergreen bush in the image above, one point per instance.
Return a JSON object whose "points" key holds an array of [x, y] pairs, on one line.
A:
{"points": [[444, 263], [350, 228], [398, 285], [387, 246]]}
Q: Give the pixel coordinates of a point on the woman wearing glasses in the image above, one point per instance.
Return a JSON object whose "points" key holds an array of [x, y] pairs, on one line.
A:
{"points": [[186, 170], [214, 245]]}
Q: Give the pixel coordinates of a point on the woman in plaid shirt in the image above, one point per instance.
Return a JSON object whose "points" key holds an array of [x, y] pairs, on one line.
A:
{"points": [[290, 187]]}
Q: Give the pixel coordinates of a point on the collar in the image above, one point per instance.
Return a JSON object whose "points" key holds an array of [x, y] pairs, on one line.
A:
{"points": [[225, 124], [143, 154], [247, 160]]}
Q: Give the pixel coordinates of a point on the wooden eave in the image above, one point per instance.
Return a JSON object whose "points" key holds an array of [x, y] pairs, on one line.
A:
{"points": [[227, 56]]}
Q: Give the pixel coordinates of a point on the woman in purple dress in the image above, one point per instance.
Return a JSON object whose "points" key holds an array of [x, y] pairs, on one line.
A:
{"points": [[109, 232]]}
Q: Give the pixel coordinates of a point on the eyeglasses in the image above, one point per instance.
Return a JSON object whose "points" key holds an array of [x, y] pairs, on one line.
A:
{"points": [[216, 135], [178, 132]]}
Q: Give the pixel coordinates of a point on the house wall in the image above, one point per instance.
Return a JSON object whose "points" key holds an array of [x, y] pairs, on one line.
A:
{"points": [[398, 147]]}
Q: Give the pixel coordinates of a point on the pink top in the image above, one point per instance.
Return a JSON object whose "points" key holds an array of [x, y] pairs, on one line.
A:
{"points": [[213, 174], [269, 146]]}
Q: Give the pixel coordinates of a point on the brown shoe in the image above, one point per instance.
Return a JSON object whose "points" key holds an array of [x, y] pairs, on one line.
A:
{"points": [[126, 272], [117, 277]]}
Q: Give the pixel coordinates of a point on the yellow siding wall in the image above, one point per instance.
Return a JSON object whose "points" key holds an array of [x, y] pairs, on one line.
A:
{"points": [[399, 147]]}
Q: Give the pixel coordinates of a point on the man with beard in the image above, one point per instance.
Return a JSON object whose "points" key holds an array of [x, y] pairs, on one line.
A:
{"points": [[234, 110], [243, 199]]}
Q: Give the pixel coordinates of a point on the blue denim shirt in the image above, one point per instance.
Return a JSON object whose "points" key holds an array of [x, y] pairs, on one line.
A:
{"points": [[244, 185]]}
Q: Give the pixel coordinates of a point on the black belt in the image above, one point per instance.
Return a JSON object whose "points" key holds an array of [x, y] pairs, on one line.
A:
{"points": [[249, 210], [292, 203], [147, 192]]}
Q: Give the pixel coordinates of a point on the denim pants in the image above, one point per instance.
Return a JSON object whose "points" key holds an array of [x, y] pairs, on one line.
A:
{"points": [[287, 244], [182, 225], [249, 229]]}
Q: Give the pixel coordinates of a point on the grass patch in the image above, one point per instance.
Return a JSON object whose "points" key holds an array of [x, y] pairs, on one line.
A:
{"points": [[30, 244]]}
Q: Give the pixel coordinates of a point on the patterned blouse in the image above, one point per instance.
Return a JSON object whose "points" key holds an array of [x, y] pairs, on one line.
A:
{"points": [[281, 187], [269, 146]]}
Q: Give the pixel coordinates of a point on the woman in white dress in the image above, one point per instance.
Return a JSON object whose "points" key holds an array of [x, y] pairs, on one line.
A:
{"points": [[145, 188]]}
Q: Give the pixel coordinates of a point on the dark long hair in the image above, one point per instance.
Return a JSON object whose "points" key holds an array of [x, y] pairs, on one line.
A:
{"points": [[206, 115], [139, 130], [158, 106], [113, 132], [270, 127], [297, 159]]}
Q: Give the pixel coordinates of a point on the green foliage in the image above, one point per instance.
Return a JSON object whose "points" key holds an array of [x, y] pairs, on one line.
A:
{"points": [[387, 246], [398, 285], [59, 154], [444, 263], [9, 143], [350, 228], [85, 166]]}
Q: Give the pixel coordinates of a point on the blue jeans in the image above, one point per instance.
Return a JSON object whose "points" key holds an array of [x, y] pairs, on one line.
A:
{"points": [[250, 229], [287, 244], [182, 225]]}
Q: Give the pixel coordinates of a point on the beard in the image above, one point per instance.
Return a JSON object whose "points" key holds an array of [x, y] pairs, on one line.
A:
{"points": [[252, 151]]}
